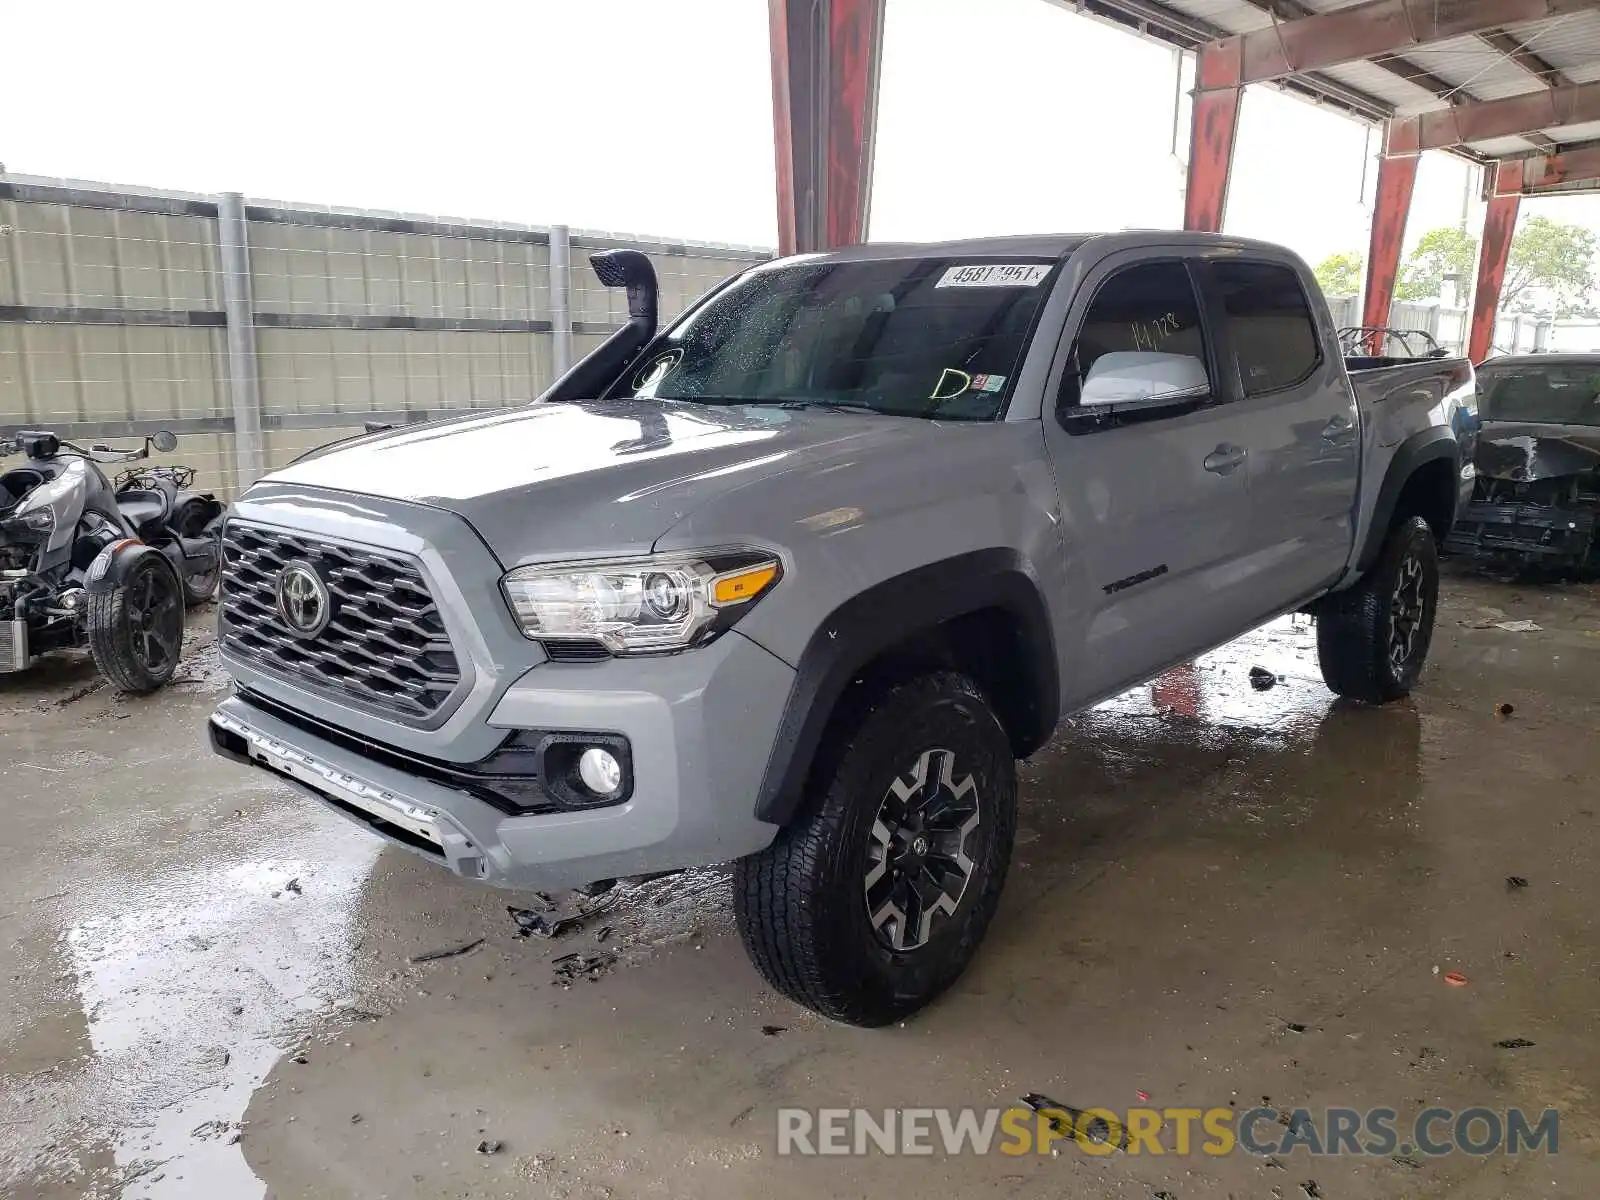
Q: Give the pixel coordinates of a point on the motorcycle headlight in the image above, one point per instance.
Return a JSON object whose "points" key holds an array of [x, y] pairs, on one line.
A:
{"points": [[39, 520], [643, 605]]}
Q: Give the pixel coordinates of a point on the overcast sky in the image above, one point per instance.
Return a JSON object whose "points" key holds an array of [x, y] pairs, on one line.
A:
{"points": [[654, 116]]}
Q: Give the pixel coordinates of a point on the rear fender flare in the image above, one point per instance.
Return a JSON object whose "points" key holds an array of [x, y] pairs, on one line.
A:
{"points": [[890, 613], [1421, 448]]}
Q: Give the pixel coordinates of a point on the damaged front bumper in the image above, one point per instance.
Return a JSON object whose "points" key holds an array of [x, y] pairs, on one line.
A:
{"points": [[1527, 533]]}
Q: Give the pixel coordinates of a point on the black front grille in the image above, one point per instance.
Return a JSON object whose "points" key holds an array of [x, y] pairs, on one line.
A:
{"points": [[384, 648]]}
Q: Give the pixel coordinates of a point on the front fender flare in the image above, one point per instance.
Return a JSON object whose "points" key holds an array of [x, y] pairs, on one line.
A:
{"points": [[887, 614]]}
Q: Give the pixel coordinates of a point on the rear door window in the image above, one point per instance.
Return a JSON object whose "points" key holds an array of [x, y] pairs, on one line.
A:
{"points": [[1270, 326]]}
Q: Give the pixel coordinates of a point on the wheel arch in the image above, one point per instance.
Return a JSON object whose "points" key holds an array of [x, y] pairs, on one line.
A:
{"points": [[1421, 481], [981, 612]]}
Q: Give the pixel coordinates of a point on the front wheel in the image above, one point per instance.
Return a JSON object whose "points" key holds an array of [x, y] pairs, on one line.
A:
{"points": [[1372, 638], [874, 899], [136, 629]]}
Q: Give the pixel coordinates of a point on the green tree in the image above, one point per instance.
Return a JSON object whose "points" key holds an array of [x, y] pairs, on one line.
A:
{"points": [[1441, 252], [1553, 257], [1551, 264], [1340, 274]]}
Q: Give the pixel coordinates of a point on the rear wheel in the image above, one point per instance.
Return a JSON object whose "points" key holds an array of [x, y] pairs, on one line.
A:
{"points": [[1372, 639], [136, 629], [874, 899]]}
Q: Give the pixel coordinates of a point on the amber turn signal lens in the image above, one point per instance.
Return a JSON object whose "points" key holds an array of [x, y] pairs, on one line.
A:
{"points": [[738, 586]]}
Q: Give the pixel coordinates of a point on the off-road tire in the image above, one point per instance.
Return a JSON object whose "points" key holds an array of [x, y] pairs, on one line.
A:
{"points": [[801, 904], [1355, 626], [115, 638]]}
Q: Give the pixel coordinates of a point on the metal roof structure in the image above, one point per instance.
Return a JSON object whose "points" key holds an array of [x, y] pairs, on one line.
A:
{"points": [[1510, 84], [1423, 84]]}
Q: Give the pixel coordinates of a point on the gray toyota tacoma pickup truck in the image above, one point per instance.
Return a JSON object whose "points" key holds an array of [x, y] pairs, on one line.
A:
{"points": [[793, 583]]}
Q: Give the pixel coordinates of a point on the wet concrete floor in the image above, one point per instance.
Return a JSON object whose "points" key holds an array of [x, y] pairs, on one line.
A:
{"points": [[1221, 896]]}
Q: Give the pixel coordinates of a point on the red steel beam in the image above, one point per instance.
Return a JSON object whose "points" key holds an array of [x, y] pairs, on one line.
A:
{"points": [[1498, 227], [1547, 172], [1396, 179], [1214, 123], [1484, 119], [1378, 27], [825, 58]]}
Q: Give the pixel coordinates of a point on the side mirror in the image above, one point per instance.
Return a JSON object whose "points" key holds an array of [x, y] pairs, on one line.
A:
{"points": [[1143, 379], [164, 440]]}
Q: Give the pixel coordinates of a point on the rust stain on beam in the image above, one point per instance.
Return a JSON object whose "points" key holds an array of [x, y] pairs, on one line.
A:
{"points": [[1484, 119], [1543, 173], [1498, 226], [1397, 179], [1213, 128], [825, 58], [1379, 27]]}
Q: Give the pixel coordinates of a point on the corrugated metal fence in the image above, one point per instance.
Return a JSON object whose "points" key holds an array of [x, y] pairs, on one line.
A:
{"points": [[257, 330]]}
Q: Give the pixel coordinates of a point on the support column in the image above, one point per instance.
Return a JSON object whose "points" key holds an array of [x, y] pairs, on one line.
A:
{"points": [[1396, 179], [1214, 126], [560, 300], [1498, 227], [825, 58], [244, 377]]}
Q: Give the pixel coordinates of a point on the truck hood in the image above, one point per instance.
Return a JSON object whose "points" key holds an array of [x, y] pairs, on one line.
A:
{"points": [[1523, 451], [556, 481]]}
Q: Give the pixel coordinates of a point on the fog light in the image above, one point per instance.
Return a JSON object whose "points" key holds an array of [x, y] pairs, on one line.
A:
{"points": [[600, 771]]}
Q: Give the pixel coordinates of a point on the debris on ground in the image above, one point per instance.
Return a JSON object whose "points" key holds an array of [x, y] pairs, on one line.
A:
{"points": [[1504, 710], [292, 886], [542, 925], [1513, 1044], [602, 933], [1261, 679], [77, 694], [1162, 1196], [1405, 1160], [1515, 883], [355, 1118], [1519, 626], [445, 952], [1097, 1129], [1142, 1096], [548, 921], [571, 967], [773, 1030], [1311, 1190], [1455, 979], [489, 1146], [1294, 1027], [299, 1056]]}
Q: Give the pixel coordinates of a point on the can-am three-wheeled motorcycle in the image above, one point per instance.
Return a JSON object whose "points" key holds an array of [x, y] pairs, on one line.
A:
{"points": [[111, 565]]}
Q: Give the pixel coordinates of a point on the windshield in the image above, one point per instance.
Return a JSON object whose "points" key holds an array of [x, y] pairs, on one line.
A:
{"points": [[912, 337], [1557, 394]]}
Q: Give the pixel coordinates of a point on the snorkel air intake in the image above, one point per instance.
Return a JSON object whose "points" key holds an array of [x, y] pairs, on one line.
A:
{"points": [[593, 373]]}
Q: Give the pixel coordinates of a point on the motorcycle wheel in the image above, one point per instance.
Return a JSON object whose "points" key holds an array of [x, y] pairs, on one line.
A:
{"points": [[136, 630], [201, 587]]}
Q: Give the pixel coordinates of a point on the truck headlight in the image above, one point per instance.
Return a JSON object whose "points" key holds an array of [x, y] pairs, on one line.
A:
{"points": [[641, 605]]}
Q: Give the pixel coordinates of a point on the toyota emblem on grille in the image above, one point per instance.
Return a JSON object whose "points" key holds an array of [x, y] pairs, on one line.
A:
{"points": [[303, 600]]}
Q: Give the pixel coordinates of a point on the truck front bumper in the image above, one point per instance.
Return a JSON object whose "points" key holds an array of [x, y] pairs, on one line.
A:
{"points": [[698, 727]]}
